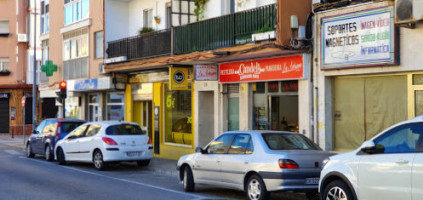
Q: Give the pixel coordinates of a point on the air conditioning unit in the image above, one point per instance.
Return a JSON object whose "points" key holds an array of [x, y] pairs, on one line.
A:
{"points": [[22, 37], [101, 68], [408, 11]]}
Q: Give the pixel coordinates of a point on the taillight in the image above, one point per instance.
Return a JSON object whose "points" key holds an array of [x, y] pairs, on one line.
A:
{"points": [[288, 164], [149, 141], [109, 141], [58, 131]]}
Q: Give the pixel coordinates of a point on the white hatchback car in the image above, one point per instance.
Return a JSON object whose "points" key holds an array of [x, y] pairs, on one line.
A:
{"points": [[103, 142], [388, 166]]}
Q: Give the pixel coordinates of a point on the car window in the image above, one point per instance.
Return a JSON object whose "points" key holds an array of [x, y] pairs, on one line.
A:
{"points": [[219, 145], [402, 139], [239, 144], [41, 126], [66, 127], [93, 130], [124, 129], [288, 141], [79, 132], [50, 127], [250, 147]]}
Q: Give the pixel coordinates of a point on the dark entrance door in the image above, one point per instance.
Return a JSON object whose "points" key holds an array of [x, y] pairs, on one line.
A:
{"points": [[4, 115]]}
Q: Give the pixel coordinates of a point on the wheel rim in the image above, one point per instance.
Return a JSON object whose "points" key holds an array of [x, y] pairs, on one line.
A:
{"points": [[336, 193], [254, 189], [98, 160], [47, 153]]}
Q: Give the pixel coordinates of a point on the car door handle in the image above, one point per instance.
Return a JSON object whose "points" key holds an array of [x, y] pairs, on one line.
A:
{"points": [[402, 161]]}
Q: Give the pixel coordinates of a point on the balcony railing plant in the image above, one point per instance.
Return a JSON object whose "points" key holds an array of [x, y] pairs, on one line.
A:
{"points": [[157, 43], [224, 31]]}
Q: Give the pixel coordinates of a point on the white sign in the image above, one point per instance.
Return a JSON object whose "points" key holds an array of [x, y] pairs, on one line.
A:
{"points": [[206, 72], [358, 39]]}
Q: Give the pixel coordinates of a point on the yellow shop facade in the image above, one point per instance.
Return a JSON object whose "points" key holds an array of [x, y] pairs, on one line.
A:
{"points": [[161, 102]]}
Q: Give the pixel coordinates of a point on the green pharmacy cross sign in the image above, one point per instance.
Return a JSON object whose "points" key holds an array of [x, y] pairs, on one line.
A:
{"points": [[49, 68]]}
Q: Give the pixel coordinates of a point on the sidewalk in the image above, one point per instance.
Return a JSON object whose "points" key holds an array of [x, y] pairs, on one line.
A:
{"points": [[158, 165]]}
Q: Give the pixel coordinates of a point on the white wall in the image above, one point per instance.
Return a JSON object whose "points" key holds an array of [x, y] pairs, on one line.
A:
{"points": [[135, 12], [241, 5], [117, 20]]}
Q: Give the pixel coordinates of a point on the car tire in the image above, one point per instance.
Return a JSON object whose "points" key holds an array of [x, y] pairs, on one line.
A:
{"points": [[61, 156], [47, 153], [256, 189], [143, 163], [312, 195], [98, 161], [337, 190], [29, 153], [189, 184]]}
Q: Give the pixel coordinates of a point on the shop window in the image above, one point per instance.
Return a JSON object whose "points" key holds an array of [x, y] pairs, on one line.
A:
{"points": [[73, 107], [273, 86], [233, 107], [115, 106], [178, 116], [290, 86], [259, 107]]}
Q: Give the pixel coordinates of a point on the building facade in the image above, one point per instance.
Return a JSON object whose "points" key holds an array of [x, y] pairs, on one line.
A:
{"points": [[16, 65], [367, 72]]}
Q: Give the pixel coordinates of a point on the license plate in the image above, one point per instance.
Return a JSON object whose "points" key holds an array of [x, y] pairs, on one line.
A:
{"points": [[133, 153], [312, 181]]}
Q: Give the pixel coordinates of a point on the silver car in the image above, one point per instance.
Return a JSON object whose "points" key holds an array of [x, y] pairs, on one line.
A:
{"points": [[257, 162]]}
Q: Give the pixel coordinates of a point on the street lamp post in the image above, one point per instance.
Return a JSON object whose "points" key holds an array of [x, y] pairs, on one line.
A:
{"points": [[34, 85]]}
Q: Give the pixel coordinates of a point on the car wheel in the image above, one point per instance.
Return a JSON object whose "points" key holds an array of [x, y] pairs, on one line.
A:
{"points": [[29, 153], [61, 156], [98, 160], [256, 189], [143, 163], [188, 180], [47, 153], [337, 190], [312, 195]]}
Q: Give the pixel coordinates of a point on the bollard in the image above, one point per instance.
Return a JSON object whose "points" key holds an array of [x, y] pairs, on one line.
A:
{"points": [[13, 133]]}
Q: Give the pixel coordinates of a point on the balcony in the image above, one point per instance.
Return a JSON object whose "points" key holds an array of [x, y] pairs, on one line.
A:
{"points": [[147, 45], [225, 31]]}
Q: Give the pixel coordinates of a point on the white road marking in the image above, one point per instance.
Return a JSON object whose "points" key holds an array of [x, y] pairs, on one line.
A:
{"points": [[125, 180], [13, 152]]}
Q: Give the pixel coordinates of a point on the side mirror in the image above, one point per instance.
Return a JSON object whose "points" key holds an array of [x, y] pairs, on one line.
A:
{"points": [[200, 150], [368, 147]]}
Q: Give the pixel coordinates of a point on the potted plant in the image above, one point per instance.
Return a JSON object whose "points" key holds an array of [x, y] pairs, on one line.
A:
{"points": [[145, 30], [264, 33]]}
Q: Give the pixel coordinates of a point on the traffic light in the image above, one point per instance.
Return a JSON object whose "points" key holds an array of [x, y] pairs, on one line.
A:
{"points": [[62, 87]]}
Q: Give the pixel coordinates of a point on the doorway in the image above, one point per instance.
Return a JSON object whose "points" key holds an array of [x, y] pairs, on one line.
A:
{"points": [[283, 115], [143, 115], [205, 117], [93, 107]]}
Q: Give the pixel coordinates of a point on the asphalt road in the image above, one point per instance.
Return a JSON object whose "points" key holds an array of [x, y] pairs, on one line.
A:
{"points": [[24, 178]]}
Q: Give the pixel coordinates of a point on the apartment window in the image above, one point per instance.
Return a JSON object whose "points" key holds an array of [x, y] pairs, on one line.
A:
{"points": [[45, 17], [148, 18], [76, 47], [99, 36], [4, 27], [44, 45], [4, 64], [76, 10]]}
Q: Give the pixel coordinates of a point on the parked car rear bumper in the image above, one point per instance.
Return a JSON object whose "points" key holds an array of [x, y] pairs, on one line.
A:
{"points": [[122, 154], [293, 180]]}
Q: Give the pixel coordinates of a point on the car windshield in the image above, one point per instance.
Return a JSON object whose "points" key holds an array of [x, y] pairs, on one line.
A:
{"points": [[124, 129], [288, 142], [67, 127]]}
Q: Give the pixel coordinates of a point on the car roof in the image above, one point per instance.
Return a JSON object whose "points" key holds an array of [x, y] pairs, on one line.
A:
{"points": [[65, 120], [112, 122], [259, 132]]}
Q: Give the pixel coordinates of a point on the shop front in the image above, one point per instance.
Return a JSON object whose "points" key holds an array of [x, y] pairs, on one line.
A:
{"points": [[361, 88], [162, 103], [268, 94]]}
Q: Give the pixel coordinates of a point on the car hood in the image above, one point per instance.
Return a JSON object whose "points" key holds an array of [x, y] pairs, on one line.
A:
{"points": [[187, 158]]}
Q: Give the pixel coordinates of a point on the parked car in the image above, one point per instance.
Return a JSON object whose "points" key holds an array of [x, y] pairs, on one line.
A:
{"points": [[388, 166], [103, 142], [257, 162], [47, 134]]}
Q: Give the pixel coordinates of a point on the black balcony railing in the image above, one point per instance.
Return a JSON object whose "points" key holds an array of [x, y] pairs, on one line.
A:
{"points": [[147, 45], [225, 31]]}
